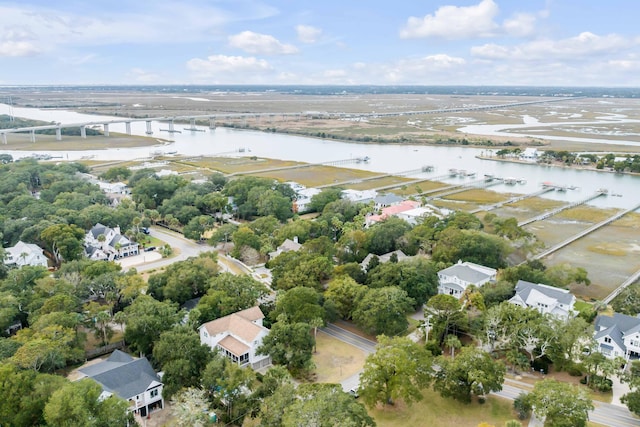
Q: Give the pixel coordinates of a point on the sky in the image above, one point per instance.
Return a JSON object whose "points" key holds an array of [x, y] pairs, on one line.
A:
{"points": [[301, 42]]}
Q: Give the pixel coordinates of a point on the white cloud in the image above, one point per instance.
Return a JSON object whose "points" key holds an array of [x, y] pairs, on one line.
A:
{"points": [[584, 45], [520, 25], [18, 48], [308, 34], [453, 22], [261, 44], [230, 65], [141, 76]]}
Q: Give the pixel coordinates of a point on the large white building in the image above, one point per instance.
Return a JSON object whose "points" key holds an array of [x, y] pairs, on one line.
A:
{"points": [[238, 336], [25, 254], [456, 279], [546, 299], [110, 246], [618, 336]]}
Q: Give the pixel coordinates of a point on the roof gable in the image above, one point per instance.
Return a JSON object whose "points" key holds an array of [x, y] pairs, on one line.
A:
{"points": [[524, 289], [240, 324]]}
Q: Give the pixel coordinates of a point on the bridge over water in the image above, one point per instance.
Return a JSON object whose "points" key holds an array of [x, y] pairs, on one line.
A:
{"points": [[191, 119]]}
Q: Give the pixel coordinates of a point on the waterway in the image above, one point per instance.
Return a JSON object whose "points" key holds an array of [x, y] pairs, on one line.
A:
{"points": [[384, 158]]}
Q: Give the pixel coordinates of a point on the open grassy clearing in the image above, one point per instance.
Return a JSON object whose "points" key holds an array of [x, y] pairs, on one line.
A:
{"points": [[22, 141], [383, 182], [335, 360], [319, 175], [434, 410], [412, 190], [586, 213], [229, 165]]}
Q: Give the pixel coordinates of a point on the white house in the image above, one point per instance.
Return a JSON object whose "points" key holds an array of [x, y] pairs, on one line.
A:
{"points": [[303, 199], [112, 245], [25, 254], [359, 195], [530, 155], [456, 279], [237, 336], [618, 335], [131, 379], [414, 216], [546, 299]]}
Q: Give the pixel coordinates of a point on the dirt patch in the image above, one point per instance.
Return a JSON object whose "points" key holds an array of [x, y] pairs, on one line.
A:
{"points": [[335, 360]]}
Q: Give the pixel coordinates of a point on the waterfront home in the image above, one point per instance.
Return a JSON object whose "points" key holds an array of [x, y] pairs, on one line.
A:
{"points": [[456, 279], [546, 299], [618, 335], [400, 256], [530, 155], [393, 210]]}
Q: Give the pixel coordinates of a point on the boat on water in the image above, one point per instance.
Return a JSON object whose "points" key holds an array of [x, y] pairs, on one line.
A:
{"points": [[453, 172], [510, 180]]}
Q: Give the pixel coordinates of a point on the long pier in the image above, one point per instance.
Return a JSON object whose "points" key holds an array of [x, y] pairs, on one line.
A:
{"points": [[583, 233], [465, 187], [512, 200], [562, 208], [372, 178], [630, 280]]}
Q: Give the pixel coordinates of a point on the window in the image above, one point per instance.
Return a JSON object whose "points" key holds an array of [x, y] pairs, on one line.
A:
{"points": [[244, 358], [154, 392], [607, 340]]}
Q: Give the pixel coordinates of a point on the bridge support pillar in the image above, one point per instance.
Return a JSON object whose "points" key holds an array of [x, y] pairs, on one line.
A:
{"points": [[149, 130], [192, 120], [33, 136], [58, 134], [127, 126], [212, 123], [83, 132], [4, 138], [106, 129], [171, 128]]}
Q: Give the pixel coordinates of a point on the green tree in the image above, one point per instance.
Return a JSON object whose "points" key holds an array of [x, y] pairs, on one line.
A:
{"points": [[290, 345], [446, 316], [228, 384], [181, 357], [472, 372], [419, 278], [77, 404], [383, 311], [632, 398], [344, 293], [190, 408], [473, 246], [560, 404], [64, 241], [399, 369], [146, 319], [325, 405], [228, 294], [299, 304]]}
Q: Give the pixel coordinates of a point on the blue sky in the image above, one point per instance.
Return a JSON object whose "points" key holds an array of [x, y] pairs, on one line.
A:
{"points": [[444, 42]]}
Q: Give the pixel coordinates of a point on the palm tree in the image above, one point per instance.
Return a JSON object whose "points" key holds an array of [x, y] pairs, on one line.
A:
{"points": [[315, 323], [453, 342]]}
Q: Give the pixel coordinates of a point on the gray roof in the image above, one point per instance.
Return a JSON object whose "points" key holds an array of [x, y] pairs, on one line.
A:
{"points": [[524, 288], [123, 375], [465, 273], [616, 327], [387, 199], [452, 285], [98, 230]]}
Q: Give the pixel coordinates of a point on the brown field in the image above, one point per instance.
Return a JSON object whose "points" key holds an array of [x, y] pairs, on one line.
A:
{"points": [[22, 141]]}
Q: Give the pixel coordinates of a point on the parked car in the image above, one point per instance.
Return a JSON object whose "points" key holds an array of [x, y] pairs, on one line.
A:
{"points": [[150, 248], [145, 230], [354, 392]]}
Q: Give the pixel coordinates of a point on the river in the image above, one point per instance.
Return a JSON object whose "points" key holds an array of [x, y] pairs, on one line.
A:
{"points": [[385, 158]]}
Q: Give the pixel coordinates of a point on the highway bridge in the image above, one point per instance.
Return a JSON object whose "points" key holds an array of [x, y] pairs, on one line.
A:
{"points": [[212, 118]]}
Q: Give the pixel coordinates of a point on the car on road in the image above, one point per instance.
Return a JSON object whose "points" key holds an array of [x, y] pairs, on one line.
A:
{"points": [[354, 392], [145, 230]]}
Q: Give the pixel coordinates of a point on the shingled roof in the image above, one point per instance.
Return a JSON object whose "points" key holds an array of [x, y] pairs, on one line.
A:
{"points": [[123, 375]]}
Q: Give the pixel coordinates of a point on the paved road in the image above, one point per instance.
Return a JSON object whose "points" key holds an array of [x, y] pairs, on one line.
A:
{"points": [[604, 413], [187, 248]]}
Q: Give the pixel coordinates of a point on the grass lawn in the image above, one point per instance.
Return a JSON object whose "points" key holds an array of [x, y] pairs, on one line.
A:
{"points": [[434, 410], [335, 360]]}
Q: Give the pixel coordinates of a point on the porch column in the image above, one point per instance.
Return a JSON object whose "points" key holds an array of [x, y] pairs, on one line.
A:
{"points": [[33, 136], [171, 128], [58, 133], [83, 132], [106, 129], [128, 127]]}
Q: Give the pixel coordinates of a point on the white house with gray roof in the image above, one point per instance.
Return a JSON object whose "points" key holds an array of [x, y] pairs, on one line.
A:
{"points": [[456, 279], [618, 335], [25, 254], [132, 379], [102, 242], [546, 299]]}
